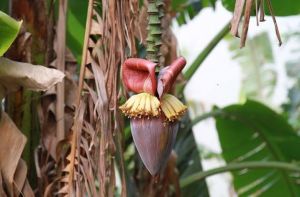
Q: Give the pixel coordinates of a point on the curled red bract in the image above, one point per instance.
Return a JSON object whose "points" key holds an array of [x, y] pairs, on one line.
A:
{"points": [[168, 75], [139, 75]]}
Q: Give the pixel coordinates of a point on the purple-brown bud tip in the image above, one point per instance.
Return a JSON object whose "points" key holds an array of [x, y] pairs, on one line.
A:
{"points": [[154, 140]]}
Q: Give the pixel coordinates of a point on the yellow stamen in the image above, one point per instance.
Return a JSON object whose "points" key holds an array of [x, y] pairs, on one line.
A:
{"points": [[141, 105], [148, 104], [172, 107]]}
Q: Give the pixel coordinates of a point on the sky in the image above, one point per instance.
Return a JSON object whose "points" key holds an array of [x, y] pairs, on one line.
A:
{"points": [[218, 80]]}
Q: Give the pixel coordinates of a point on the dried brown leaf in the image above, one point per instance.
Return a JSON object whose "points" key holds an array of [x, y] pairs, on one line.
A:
{"points": [[60, 65], [20, 177], [96, 28], [262, 11], [237, 14], [260, 17], [27, 191], [14, 75], [2, 192], [247, 15], [275, 22], [11, 147]]}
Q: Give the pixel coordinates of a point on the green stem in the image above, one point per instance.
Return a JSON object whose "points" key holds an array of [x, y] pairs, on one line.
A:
{"points": [[204, 54], [155, 14], [238, 166], [204, 116]]}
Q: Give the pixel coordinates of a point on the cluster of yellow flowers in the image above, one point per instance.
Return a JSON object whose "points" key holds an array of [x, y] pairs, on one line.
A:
{"points": [[172, 107], [141, 105], [146, 105]]}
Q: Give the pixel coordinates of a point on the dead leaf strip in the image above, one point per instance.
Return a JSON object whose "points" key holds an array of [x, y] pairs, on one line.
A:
{"points": [[259, 8], [60, 65], [247, 15], [238, 10], [275, 22]]}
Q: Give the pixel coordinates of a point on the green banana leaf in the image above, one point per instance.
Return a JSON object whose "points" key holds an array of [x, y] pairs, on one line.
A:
{"points": [[188, 9], [253, 132], [76, 19], [4, 6], [281, 8], [9, 29]]}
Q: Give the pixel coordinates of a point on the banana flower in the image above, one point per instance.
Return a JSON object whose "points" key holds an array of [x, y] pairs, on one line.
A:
{"points": [[153, 112]]}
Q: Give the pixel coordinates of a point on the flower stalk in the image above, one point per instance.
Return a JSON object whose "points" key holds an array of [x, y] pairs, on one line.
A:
{"points": [[155, 14]]}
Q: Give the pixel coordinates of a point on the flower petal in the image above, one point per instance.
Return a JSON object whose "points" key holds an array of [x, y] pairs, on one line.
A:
{"points": [[168, 75], [139, 75]]}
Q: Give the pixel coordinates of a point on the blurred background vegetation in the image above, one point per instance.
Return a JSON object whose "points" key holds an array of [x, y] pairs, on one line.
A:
{"points": [[259, 141]]}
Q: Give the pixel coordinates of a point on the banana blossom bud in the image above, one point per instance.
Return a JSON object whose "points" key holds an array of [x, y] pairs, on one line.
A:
{"points": [[154, 113]]}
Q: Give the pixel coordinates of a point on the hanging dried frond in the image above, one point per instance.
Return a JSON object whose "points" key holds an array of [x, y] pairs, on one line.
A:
{"points": [[77, 164], [87, 162], [246, 6]]}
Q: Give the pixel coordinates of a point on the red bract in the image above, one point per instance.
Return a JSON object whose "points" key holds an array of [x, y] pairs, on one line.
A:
{"points": [[139, 75], [167, 76]]}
